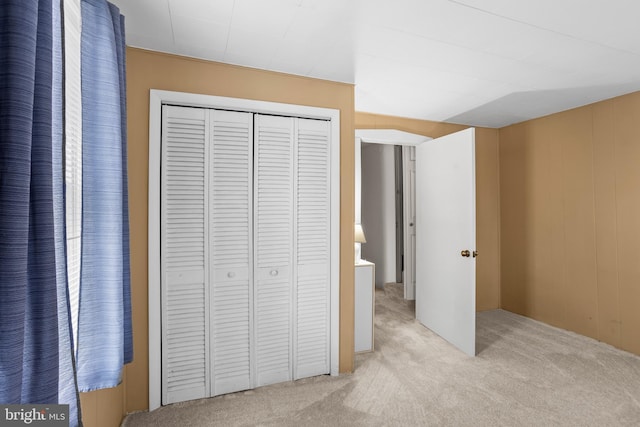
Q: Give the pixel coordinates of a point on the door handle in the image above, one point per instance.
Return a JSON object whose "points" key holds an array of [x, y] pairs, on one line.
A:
{"points": [[465, 253]]}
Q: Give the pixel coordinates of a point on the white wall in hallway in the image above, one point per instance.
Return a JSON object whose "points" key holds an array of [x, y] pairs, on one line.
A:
{"points": [[378, 209]]}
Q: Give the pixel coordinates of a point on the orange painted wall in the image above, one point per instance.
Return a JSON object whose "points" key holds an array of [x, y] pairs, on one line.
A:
{"points": [[570, 209], [487, 195]]}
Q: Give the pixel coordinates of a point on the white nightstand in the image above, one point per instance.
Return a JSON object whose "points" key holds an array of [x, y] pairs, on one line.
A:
{"points": [[364, 306]]}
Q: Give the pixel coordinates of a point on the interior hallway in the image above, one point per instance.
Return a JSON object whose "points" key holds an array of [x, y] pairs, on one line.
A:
{"points": [[525, 374]]}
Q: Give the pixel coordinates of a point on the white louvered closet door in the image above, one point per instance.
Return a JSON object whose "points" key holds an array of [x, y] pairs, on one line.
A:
{"points": [[312, 244], [184, 254], [245, 251], [230, 219], [273, 227]]}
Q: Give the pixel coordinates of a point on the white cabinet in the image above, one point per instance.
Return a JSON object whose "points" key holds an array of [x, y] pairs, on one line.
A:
{"points": [[364, 306], [245, 244]]}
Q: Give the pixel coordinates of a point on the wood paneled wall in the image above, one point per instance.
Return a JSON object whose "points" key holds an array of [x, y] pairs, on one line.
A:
{"points": [[570, 220]]}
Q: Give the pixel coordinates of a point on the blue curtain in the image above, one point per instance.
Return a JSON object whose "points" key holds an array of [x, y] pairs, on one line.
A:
{"points": [[37, 361], [104, 321], [29, 355], [36, 357]]}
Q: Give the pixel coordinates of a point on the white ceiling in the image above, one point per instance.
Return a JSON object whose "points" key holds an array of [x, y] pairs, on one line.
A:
{"points": [[475, 62]]}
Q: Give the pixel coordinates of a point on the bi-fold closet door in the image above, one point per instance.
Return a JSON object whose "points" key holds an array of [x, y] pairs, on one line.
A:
{"points": [[245, 250]]}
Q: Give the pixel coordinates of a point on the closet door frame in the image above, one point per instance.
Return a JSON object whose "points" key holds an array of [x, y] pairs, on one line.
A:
{"points": [[157, 98]]}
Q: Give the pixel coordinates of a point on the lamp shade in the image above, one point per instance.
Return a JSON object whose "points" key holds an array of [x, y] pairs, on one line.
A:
{"points": [[359, 234]]}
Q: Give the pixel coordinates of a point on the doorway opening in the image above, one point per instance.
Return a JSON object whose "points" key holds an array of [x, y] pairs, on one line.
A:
{"points": [[384, 203]]}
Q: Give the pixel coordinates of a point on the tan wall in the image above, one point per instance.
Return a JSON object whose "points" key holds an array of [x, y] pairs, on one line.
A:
{"points": [[487, 197], [151, 70], [570, 209], [103, 408]]}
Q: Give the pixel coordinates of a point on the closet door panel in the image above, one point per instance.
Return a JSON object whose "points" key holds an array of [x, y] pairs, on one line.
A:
{"points": [[273, 207], [231, 250], [184, 290], [312, 243]]}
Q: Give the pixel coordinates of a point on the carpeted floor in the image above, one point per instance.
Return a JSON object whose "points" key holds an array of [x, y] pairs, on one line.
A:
{"points": [[525, 374]]}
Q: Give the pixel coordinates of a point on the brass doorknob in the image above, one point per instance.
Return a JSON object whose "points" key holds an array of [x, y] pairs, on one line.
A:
{"points": [[465, 253]]}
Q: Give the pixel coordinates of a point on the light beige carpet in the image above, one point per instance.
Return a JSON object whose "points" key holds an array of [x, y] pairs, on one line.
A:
{"points": [[525, 374]]}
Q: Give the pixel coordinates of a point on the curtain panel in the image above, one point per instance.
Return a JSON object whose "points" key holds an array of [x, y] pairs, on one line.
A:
{"points": [[104, 321], [39, 361], [28, 294]]}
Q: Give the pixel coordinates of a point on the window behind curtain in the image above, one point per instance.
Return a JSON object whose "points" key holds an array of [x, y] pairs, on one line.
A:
{"points": [[73, 153]]}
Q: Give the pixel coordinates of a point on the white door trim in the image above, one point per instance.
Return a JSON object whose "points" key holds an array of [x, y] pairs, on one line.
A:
{"points": [[409, 220], [390, 137], [156, 99]]}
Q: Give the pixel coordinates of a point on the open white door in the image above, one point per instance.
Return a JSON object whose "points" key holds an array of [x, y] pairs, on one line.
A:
{"points": [[446, 238]]}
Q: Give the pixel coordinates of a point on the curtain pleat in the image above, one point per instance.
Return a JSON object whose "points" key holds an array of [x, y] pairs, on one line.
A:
{"points": [[118, 30], [104, 280], [28, 302]]}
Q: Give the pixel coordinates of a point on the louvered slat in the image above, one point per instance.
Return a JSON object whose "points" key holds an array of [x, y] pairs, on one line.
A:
{"points": [[312, 249], [231, 216], [273, 237], [185, 344]]}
